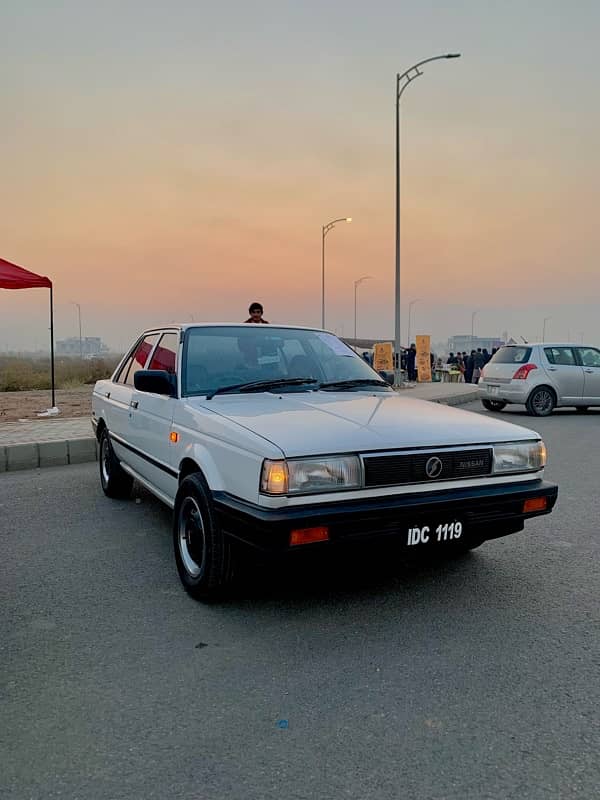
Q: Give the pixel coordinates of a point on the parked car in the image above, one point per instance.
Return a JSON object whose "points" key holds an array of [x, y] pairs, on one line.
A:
{"points": [[282, 438], [542, 377]]}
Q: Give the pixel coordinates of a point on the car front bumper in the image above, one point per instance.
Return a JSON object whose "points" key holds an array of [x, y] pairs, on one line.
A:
{"points": [[486, 512]]}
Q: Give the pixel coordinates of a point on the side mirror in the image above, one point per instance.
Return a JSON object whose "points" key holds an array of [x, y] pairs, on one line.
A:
{"points": [[157, 381]]}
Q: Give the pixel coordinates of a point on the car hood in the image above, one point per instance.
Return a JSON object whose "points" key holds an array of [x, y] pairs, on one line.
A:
{"points": [[308, 423]]}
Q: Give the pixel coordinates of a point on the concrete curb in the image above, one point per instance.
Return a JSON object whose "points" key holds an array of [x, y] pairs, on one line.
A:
{"points": [[47, 454], [34, 455], [457, 400]]}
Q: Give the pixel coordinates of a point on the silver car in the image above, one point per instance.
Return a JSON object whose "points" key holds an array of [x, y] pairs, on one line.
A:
{"points": [[542, 377]]}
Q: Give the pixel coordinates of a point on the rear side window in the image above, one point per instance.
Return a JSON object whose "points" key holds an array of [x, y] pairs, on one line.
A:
{"points": [[165, 354], [137, 360], [560, 355], [512, 355]]}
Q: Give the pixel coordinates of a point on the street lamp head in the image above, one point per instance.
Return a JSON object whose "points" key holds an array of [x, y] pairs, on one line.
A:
{"points": [[453, 55], [348, 219]]}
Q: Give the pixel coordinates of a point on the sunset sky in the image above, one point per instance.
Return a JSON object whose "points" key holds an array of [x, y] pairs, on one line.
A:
{"points": [[163, 161]]}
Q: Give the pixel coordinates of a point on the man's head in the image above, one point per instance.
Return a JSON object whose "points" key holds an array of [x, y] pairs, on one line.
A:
{"points": [[255, 311]]}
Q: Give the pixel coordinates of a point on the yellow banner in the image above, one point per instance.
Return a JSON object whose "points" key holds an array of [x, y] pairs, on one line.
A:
{"points": [[423, 359], [383, 357]]}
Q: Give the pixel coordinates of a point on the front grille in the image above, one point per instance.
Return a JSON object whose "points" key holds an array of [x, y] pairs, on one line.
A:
{"points": [[395, 470]]}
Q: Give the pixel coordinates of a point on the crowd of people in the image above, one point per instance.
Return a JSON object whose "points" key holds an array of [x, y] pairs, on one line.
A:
{"points": [[470, 365]]}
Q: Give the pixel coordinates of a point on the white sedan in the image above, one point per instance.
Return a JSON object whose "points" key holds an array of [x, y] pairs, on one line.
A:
{"points": [[283, 438]]}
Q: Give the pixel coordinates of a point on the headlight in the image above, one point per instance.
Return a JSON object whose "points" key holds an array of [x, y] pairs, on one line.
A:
{"points": [[519, 457], [311, 475]]}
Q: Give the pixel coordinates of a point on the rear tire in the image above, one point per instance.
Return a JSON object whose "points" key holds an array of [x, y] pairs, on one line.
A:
{"points": [[203, 554], [116, 483], [541, 402], [493, 405]]}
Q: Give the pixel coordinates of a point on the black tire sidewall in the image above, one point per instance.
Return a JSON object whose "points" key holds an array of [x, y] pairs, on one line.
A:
{"points": [[119, 483], [215, 572], [493, 405]]}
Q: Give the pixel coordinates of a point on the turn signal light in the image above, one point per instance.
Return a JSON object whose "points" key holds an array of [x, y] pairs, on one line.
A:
{"points": [[308, 535], [535, 504], [174, 436], [523, 372]]}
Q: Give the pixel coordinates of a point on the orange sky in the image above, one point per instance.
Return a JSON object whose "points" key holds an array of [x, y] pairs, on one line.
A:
{"points": [[187, 171]]}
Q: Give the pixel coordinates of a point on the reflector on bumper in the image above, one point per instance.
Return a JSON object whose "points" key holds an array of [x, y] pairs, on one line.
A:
{"points": [[535, 504], [309, 535]]}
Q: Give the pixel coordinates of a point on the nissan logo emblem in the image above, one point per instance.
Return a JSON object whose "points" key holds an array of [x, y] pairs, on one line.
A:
{"points": [[433, 467]]}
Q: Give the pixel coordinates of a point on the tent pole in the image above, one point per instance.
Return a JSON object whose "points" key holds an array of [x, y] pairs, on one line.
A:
{"points": [[52, 345]]}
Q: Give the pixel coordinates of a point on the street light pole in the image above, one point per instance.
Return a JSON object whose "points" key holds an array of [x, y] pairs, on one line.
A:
{"points": [[473, 315], [80, 339], [544, 328], [402, 82], [410, 305], [356, 285], [324, 231]]}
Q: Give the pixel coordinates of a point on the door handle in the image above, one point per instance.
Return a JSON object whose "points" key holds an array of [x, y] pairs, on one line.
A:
{"points": [[134, 404], [107, 394], [589, 370], [551, 369]]}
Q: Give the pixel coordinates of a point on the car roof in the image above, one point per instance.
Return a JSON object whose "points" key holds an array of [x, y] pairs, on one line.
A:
{"points": [[187, 325], [547, 344]]}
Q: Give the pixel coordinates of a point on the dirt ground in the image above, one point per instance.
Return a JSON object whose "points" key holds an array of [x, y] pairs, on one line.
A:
{"points": [[15, 406]]}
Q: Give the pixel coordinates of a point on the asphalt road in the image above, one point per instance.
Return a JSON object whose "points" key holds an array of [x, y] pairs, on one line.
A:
{"points": [[469, 680]]}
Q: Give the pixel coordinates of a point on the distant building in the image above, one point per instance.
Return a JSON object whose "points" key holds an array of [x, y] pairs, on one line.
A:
{"points": [[468, 343], [90, 346]]}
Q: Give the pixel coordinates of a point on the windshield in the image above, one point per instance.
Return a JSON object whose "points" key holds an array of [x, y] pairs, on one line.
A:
{"points": [[219, 357]]}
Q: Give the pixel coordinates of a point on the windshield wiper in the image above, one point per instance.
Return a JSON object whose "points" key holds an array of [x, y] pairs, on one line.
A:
{"points": [[353, 382], [260, 386]]}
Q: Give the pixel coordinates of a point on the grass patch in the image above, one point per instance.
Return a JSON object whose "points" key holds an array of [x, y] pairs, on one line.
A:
{"points": [[23, 374]]}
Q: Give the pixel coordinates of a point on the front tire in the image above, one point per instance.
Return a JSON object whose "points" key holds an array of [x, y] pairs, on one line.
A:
{"points": [[116, 483], [493, 405], [202, 553], [541, 402]]}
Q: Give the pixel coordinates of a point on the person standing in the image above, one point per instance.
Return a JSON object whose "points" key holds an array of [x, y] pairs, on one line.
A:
{"points": [[411, 357], [478, 365], [256, 314], [469, 367]]}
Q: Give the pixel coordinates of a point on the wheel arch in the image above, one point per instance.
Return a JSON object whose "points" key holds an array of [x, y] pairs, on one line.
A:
{"points": [[100, 427], [545, 386], [197, 461]]}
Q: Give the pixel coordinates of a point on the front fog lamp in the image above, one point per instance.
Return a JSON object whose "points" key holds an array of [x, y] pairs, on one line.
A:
{"points": [[311, 475], [519, 457]]}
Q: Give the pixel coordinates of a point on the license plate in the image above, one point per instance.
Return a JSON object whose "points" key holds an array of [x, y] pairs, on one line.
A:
{"points": [[492, 389], [434, 533]]}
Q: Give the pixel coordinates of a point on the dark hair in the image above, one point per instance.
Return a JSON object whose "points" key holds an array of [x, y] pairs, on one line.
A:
{"points": [[255, 307]]}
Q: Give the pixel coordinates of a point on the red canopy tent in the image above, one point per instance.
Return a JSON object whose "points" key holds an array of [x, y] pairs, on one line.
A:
{"points": [[14, 277]]}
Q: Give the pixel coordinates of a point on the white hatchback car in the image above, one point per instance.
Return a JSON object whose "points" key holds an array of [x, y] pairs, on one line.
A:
{"points": [[283, 438], [542, 377]]}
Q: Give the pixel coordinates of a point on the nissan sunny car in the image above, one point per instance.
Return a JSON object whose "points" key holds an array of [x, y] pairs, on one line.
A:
{"points": [[281, 438]]}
